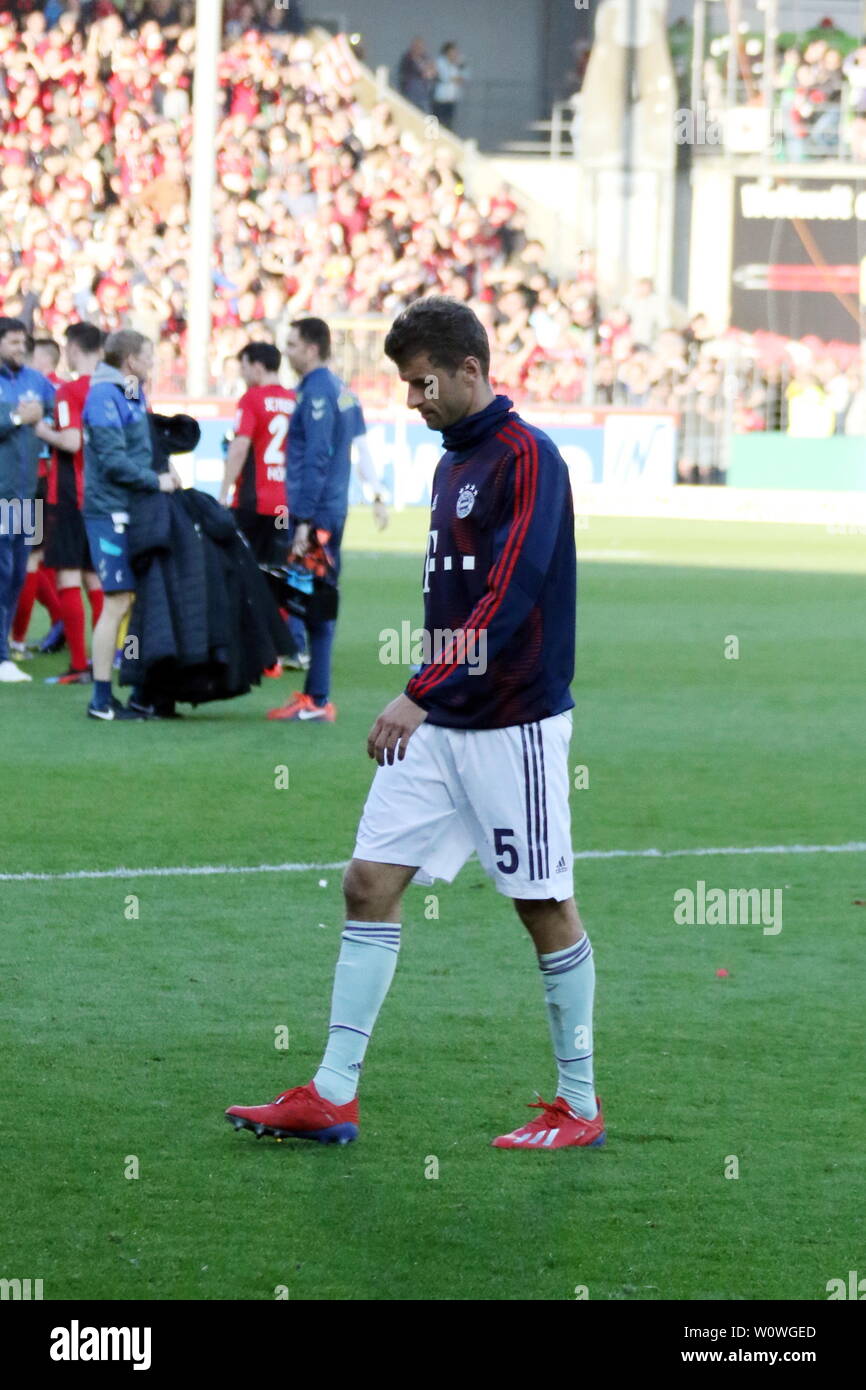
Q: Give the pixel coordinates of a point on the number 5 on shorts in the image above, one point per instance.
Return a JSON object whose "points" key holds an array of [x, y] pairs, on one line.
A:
{"points": [[507, 861]]}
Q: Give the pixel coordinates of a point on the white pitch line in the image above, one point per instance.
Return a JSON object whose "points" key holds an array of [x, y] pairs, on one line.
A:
{"points": [[210, 870], [182, 870], [853, 847]]}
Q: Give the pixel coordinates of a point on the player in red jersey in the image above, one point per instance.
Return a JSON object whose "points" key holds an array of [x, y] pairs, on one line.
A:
{"points": [[40, 581], [255, 467], [66, 548], [255, 470]]}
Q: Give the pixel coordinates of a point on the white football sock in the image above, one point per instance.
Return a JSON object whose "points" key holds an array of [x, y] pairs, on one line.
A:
{"points": [[569, 985], [365, 969]]}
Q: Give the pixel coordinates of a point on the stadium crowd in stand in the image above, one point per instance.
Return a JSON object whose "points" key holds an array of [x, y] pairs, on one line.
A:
{"points": [[321, 207]]}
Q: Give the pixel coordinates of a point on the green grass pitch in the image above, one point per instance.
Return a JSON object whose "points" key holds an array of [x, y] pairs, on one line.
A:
{"points": [[124, 1037]]}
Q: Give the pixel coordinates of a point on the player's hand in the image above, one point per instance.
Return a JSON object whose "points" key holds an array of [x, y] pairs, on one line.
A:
{"points": [[301, 540], [30, 410], [393, 729], [178, 480], [168, 482], [380, 515]]}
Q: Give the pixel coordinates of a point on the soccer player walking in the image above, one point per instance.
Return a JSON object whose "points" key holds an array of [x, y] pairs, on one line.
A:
{"points": [[474, 754]]}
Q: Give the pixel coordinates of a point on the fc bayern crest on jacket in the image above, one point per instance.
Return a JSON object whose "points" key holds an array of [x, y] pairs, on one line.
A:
{"points": [[466, 500]]}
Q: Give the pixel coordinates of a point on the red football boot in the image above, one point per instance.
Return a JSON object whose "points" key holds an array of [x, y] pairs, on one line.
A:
{"points": [[555, 1128], [299, 1114], [303, 707]]}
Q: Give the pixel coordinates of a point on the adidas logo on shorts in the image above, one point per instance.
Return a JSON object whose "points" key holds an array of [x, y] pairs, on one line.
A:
{"points": [[561, 866]]}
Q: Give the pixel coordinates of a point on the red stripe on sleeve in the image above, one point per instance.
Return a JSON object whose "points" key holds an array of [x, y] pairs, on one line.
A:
{"points": [[526, 487]]}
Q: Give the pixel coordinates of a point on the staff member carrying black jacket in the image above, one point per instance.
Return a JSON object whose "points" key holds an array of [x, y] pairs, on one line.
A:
{"points": [[118, 462]]}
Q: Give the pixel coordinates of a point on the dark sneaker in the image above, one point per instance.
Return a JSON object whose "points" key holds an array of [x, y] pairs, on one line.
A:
{"points": [[113, 710], [158, 711], [53, 641]]}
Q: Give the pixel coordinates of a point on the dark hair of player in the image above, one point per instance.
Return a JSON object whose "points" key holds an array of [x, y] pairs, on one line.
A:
{"points": [[11, 326], [50, 345], [263, 354], [446, 330], [315, 331], [85, 336]]}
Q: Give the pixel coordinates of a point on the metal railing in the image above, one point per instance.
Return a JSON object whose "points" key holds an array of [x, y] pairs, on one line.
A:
{"points": [[743, 396], [717, 394], [749, 117]]}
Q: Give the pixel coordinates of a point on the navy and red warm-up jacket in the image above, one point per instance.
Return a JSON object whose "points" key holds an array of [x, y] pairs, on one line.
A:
{"points": [[500, 567]]}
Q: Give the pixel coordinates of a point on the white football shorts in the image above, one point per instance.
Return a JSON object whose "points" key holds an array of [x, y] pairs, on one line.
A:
{"points": [[500, 792]]}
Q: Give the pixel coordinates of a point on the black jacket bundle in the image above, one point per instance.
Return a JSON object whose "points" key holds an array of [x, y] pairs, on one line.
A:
{"points": [[171, 434], [204, 621]]}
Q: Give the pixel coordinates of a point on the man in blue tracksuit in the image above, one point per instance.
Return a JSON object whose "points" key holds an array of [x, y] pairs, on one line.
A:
{"points": [[25, 397], [118, 464], [319, 466]]}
